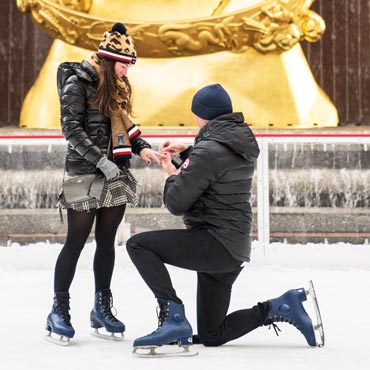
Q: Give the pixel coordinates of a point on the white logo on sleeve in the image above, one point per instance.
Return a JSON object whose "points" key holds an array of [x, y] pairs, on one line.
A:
{"points": [[186, 163]]}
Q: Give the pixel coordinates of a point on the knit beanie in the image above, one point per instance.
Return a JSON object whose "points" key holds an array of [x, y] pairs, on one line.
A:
{"points": [[211, 101], [117, 45]]}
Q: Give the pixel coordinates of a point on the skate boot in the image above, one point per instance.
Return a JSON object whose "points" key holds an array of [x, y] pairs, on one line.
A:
{"points": [[289, 308], [102, 316], [173, 327], [59, 320]]}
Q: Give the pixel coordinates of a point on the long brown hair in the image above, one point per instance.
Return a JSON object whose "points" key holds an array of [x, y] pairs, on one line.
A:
{"points": [[107, 97]]}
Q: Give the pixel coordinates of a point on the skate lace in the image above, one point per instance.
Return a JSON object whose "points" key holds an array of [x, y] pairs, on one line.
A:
{"points": [[275, 327], [274, 319], [63, 308], [106, 302], [162, 313]]}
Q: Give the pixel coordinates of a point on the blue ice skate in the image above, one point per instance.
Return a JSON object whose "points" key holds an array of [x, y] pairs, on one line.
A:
{"points": [[102, 316], [59, 320], [289, 308], [173, 327]]}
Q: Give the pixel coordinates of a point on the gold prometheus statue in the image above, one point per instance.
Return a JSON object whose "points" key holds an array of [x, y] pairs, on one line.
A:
{"points": [[251, 47]]}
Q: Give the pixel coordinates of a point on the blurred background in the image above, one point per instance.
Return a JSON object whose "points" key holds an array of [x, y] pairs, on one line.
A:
{"points": [[339, 60]]}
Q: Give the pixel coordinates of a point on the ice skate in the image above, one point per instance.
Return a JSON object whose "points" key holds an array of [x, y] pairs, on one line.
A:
{"points": [[289, 308], [319, 328], [58, 323], [101, 316], [173, 328]]}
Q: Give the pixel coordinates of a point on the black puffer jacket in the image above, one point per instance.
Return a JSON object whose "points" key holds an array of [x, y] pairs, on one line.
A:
{"points": [[213, 189], [87, 131]]}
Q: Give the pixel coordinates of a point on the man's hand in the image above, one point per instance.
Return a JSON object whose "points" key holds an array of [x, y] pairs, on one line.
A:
{"points": [[172, 147], [168, 167]]}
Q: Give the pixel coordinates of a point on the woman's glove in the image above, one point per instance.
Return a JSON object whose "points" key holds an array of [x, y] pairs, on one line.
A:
{"points": [[109, 169]]}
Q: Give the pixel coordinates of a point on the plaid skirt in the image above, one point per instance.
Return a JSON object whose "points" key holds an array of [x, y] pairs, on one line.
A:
{"points": [[116, 192]]}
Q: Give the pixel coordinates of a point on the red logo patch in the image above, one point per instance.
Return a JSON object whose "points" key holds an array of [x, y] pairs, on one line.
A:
{"points": [[186, 163]]}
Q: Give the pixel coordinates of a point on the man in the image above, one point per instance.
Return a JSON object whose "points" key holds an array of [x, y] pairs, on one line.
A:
{"points": [[212, 191]]}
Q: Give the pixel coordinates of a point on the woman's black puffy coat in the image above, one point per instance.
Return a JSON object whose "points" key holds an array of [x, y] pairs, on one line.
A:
{"points": [[213, 189], [87, 131]]}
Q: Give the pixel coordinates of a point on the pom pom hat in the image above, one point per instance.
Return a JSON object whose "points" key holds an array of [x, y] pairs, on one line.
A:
{"points": [[211, 101], [117, 45]]}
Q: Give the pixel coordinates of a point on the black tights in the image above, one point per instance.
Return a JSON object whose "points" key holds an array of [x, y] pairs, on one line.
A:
{"points": [[80, 224]]}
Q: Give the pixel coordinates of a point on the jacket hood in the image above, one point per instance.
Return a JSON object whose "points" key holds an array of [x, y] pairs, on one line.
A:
{"points": [[87, 71], [84, 71], [231, 131]]}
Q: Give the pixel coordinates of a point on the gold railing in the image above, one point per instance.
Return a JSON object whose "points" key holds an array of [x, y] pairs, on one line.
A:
{"points": [[272, 26]]}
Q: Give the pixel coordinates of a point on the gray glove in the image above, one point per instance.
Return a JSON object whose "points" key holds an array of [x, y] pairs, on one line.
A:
{"points": [[109, 169]]}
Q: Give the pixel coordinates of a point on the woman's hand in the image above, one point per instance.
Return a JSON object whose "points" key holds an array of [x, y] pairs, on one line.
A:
{"points": [[168, 167], [147, 154], [172, 147]]}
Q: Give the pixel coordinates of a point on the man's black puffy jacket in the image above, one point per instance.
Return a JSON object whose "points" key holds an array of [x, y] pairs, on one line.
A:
{"points": [[213, 189], [87, 131]]}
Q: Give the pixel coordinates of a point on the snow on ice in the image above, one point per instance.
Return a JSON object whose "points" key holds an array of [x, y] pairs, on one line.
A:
{"points": [[340, 272]]}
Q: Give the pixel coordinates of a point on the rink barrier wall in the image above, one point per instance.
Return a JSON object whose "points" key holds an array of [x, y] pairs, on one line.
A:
{"points": [[321, 225], [263, 212]]}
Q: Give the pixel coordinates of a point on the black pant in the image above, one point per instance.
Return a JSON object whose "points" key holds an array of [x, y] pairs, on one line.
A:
{"points": [[80, 224], [217, 270]]}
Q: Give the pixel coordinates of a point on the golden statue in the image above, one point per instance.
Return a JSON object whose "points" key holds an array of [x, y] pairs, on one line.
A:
{"points": [[251, 47]]}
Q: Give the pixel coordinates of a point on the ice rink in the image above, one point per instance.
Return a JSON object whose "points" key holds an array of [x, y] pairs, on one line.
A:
{"points": [[341, 274]]}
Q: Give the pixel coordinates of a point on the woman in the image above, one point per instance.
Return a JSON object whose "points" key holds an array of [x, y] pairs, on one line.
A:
{"points": [[95, 99]]}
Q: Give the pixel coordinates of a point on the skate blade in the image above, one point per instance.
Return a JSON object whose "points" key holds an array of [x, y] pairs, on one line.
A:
{"points": [[163, 351], [61, 340], [319, 328], [118, 337]]}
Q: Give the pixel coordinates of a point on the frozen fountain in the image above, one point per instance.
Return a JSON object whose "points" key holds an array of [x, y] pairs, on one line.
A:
{"points": [[319, 175], [300, 175], [31, 177]]}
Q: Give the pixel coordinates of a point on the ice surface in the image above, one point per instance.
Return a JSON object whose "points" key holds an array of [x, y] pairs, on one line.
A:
{"points": [[340, 272]]}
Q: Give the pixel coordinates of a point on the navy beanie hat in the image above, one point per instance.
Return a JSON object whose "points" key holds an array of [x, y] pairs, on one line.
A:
{"points": [[211, 101]]}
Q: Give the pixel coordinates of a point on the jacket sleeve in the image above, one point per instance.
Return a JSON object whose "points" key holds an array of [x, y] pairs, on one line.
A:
{"points": [[138, 145], [199, 170], [73, 104]]}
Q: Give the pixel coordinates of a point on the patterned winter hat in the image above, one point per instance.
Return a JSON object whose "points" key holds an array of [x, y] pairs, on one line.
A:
{"points": [[211, 101], [117, 45]]}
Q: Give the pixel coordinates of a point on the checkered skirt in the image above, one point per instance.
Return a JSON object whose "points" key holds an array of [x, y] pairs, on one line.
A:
{"points": [[116, 192]]}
